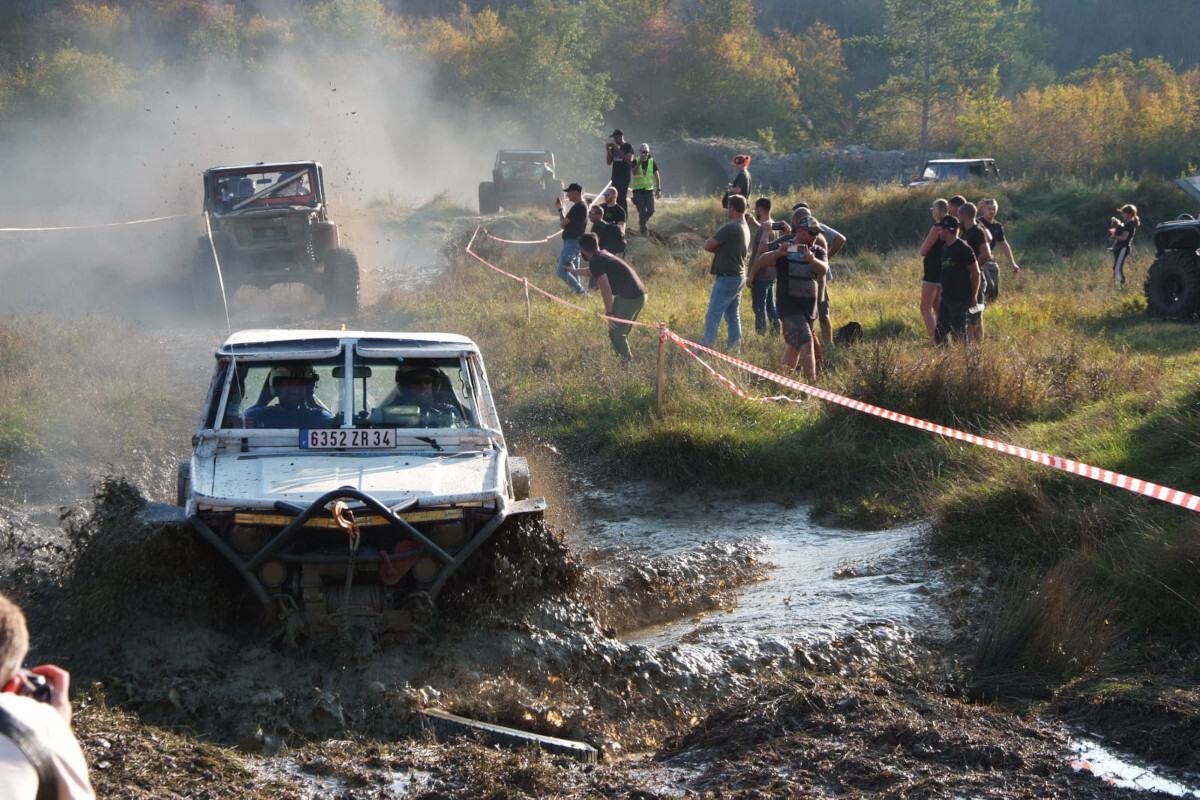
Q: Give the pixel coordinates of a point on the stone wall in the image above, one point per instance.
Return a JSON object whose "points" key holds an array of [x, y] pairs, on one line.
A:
{"points": [[702, 166]]}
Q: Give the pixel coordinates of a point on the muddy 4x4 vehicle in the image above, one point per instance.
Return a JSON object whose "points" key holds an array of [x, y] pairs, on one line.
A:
{"points": [[347, 475], [954, 169], [1172, 284], [520, 178], [270, 224]]}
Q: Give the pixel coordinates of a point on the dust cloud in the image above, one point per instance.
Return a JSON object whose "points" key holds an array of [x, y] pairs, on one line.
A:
{"points": [[373, 117]]}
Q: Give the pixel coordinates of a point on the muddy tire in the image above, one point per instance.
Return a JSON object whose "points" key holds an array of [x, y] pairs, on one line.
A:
{"points": [[341, 282], [518, 476], [183, 483], [1173, 285], [205, 284]]}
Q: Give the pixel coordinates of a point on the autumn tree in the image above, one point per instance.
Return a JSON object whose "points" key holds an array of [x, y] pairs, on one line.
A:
{"points": [[941, 49]]}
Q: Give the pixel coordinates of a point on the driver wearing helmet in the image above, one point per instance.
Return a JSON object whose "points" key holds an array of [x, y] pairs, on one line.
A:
{"points": [[294, 405]]}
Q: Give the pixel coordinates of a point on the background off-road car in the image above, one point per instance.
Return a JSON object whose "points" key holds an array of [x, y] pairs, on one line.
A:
{"points": [[954, 169], [270, 224], [520, 178], [347, 475], [1172, 284]]}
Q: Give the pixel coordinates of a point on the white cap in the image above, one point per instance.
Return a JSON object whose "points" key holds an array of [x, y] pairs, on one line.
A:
{"points": [[643, 148]]}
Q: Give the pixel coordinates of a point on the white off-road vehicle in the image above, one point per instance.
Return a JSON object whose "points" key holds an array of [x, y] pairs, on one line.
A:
{"points": [[346, 475]]}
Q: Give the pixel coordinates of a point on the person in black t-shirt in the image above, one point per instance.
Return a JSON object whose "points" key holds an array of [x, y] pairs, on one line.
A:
{"points": [[613, 212], [960, 282], [1122, 233], [611, 237], [976, 236], [623, 291], [574, 224], [619, 154], [931, 275]]}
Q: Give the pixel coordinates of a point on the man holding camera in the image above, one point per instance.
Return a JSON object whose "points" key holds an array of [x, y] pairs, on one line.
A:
{"points": [[619, 156], [801, 264], [39, 756], [574, 224]]}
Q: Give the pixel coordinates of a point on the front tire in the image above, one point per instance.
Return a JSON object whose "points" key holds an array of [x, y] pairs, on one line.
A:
{"points": [[341, 282], [1172, 285]]}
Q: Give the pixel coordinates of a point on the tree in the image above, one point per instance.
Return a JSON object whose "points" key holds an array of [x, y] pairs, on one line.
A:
{"points": [[941, 49]]}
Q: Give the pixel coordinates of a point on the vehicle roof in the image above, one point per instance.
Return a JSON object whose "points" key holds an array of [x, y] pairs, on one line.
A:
{"points": [[957, 160], [266, 165], [525, 152], [246, 339]]}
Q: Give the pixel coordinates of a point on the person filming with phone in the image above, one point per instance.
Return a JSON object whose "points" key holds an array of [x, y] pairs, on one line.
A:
{"points": [[39, 755], [801, 264]]}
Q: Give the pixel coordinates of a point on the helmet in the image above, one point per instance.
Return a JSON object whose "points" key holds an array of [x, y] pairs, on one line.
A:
{"points": [[299, 371]]}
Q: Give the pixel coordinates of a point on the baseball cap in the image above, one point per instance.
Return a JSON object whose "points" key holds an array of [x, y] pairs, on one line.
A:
{"points": [[810, 224], [949, 223], [617, 132], [574, 187], [643, 148]]}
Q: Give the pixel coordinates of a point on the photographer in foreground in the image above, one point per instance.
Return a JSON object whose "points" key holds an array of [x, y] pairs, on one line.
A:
{"points": [[39, 756]]}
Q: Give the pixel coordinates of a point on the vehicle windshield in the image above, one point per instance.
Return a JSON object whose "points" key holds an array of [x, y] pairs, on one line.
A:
{"points": [[945, 172], [388, 392], [265, 187]]}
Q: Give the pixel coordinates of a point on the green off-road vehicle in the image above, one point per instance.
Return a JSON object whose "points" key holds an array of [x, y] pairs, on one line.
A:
{"points": [[520, 178], [270, 224], [1173, 282]]}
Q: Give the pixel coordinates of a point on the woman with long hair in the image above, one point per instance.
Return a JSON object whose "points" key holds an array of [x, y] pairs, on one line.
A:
{"points": [[1122, 231], [931, 278]]}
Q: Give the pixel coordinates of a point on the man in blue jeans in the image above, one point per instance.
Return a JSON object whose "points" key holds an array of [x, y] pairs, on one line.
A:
{"points": [[574, 225], [729, 246]]}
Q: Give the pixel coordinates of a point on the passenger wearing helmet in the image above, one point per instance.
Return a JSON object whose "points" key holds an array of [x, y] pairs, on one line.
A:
{"points": [[427, 388], [293, 404]]}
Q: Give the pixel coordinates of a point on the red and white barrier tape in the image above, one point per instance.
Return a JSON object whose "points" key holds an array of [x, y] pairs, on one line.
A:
{"points": [[97, 225], [1136, 485]]}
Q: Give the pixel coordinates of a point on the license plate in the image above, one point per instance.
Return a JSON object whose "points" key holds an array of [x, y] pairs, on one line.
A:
{"points": [[348, 438]]}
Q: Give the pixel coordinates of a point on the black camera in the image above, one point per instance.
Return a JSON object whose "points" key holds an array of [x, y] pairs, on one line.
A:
{"points": [[36, 686]]}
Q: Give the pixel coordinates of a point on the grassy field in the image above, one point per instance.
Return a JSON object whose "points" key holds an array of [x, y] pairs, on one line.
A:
{"points": [[1072, 366]]}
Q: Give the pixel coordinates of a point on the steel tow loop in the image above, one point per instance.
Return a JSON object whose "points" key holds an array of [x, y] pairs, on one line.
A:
{"points": [[343, 517]]}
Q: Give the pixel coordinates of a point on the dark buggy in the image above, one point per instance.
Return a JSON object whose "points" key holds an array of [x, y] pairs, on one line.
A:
{"points": [[270, 224]]}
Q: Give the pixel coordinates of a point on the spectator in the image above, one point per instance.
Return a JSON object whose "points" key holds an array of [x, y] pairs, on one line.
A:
{"points": [[931, 278], [991, 270], [1123, 232], [574, 224], [741, 181], [729, 246], [836, 242], [762, 279], [612, 238], [956, 202], [623, 291], [960, 282], [619, 155], [647, 185], [800, 267], [976, 236], [36, 743], [614, 213]]}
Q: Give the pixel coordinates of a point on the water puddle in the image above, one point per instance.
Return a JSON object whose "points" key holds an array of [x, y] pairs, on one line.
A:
{"points": [[1123, 771], [826, 583]]}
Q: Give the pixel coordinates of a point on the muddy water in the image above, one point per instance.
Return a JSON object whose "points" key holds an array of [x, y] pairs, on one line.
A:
{"points": [[822, 585]]}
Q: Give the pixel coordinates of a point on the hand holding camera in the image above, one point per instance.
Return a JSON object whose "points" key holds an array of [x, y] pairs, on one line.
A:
{"points": [[558, 203], [35, 686]]}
